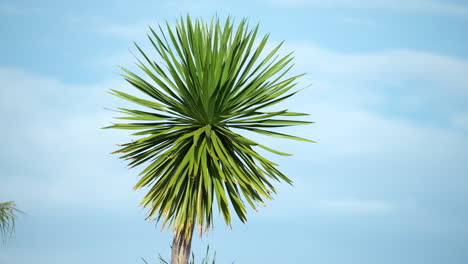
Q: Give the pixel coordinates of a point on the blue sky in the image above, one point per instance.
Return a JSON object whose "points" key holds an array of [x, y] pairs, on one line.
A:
{"points": [[386, 182]]}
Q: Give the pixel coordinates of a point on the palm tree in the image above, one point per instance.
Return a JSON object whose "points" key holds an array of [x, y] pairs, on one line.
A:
{"points": [[210, 81], [8, 212]]}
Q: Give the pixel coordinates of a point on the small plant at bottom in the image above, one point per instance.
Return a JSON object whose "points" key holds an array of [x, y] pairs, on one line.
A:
{"points": [[205, 260]]}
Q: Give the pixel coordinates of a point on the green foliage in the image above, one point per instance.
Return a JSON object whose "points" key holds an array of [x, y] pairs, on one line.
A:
{"points": [[207, 79], [206, 260], [8, 213]]}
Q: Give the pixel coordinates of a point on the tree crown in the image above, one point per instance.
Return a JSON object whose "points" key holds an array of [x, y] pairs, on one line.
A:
{"points": [[212, 78]]}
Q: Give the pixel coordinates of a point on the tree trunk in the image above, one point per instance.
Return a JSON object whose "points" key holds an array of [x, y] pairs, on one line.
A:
{"points": [[181, 246]]}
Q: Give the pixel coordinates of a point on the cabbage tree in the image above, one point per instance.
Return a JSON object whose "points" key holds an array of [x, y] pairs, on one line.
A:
{"points": [[208, 82]]}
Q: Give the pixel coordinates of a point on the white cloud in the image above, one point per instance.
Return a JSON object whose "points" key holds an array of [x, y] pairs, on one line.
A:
{"points": [[391, 66], [429, 6], [344, 131]]}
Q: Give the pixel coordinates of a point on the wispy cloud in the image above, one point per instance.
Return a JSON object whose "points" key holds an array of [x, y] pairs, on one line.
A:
{"points": [[451, 73], [129, 31], [356, 206], [461, 121], [359, 21], [427, 6]]}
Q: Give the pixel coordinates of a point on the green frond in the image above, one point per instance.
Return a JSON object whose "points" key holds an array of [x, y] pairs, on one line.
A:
{"points": [[8, 213], [207, 79]]}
